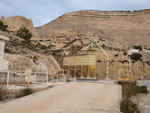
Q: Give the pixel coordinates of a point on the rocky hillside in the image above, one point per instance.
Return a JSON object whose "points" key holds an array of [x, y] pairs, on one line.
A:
{"points": [[21, 55], [118, 29]]}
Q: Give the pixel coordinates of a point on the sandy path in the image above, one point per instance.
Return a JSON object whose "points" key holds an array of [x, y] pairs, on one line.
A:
{"points": [[69, 98]]}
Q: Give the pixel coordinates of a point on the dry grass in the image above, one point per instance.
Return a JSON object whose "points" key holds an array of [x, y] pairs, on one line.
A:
{"points": [[3, 92]]}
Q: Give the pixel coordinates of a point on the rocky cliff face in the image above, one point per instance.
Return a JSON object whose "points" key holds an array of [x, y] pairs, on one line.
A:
{"points": [[119, 29], [16, 22], [116, 29]]}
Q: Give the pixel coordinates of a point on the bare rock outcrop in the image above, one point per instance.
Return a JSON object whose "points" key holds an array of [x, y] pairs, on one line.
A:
{"points": [[16, 22]]}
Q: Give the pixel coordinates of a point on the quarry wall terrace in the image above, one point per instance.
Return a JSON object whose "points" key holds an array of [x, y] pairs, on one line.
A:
{"points": [[107, 14]]}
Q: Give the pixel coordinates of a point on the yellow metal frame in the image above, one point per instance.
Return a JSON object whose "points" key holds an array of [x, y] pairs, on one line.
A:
{"points": [[89, 68], [93, 68], [81, 63], [129, 73]]}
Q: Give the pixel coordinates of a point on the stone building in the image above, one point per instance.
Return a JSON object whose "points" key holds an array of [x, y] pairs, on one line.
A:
{"points": [[3, 63]]}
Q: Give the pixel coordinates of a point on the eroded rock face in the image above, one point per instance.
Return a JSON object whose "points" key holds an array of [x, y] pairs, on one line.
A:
{"points": [[16, 22], [22, 57], [124, 28], [117, 29], [17, 61]]}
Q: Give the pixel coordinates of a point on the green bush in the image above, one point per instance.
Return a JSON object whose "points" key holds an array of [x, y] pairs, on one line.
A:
{"points": [[24, 33], [138, 47], [44, 47], [136, 56], [127, 106], [142, 90], [39, 45], [3, 27], [27, 91]]}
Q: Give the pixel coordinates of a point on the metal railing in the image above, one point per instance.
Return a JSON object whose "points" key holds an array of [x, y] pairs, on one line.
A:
{"points": [[51, 77]]}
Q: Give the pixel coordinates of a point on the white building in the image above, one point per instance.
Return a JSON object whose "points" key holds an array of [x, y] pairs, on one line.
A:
{"points": [[130, 51], [3, 63]]}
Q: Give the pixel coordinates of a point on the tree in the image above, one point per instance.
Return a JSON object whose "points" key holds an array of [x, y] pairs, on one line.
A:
{"points": [[138, 47], [2, 26], [24, 33], [44, 47], [136, 56]]}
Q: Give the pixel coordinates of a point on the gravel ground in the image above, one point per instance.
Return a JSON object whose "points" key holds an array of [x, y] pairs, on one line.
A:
{"points": [[78, 97], [143, 100], [144, 104]]}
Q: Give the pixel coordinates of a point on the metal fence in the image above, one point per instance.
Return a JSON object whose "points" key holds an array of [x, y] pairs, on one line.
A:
{"points": [[18, 77]]}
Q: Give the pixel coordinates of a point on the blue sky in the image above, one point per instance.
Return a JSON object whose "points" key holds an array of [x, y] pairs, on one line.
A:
{"points": [[44, 11]]}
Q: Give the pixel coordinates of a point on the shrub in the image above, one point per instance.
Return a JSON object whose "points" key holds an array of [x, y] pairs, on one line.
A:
{"points": [[35, 58], [24, 33], [24, 92], [129, 89], [125, 53], [3, 93], [39, 45], [44, 47], [142, 89], [127, 106], [8, 51], [136, 56], [3, 27], [27, 91], [103, 46], [138, 47]]}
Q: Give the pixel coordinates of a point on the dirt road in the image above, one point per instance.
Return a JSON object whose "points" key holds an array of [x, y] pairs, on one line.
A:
{"points": [[78, 97]]}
